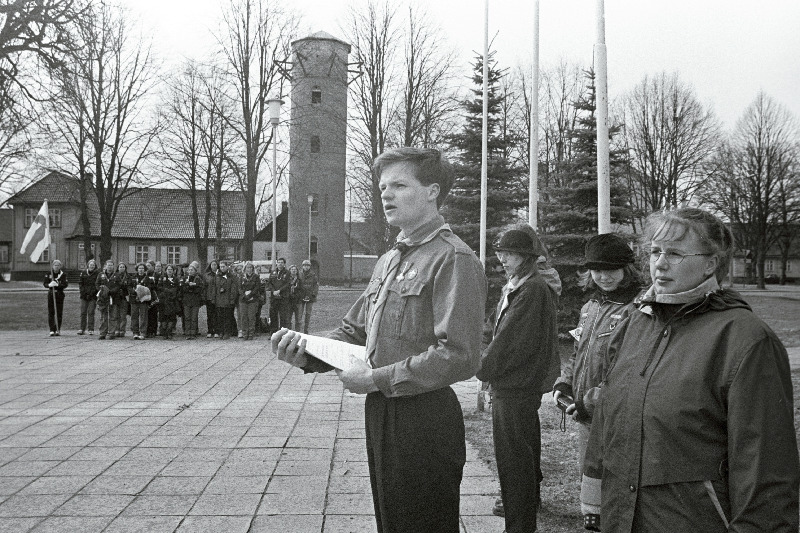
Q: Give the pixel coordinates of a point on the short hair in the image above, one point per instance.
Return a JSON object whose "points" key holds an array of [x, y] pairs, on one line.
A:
{"points": [[673, 225], [429, 164], [282, 259]]}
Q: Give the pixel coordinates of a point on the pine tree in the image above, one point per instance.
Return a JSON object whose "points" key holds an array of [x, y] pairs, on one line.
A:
{"points": [[569, 217], [462, 209]]}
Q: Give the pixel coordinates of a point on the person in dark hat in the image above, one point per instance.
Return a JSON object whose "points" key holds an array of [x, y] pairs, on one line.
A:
{"points": [[522, 353], [613, 282]]}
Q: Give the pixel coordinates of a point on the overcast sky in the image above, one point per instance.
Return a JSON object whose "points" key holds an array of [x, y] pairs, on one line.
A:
{"points": [[727, 49]]}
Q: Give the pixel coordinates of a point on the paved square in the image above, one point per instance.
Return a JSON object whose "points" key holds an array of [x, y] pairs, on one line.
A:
{"points": [[179, 436]]}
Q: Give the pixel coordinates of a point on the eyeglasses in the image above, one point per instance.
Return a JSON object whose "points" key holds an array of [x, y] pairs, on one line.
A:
{"points": [[673, 258]]}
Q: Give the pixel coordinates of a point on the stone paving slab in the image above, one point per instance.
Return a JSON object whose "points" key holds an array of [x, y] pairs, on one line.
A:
{"points": [[183, 436]]}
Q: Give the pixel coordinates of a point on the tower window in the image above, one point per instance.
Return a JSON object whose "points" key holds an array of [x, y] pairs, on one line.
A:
{"points": [[315, 144], [316, 96], [314, 245]]}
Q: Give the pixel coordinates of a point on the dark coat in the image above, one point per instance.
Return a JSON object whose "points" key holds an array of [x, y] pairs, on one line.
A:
{"points": [[523, 353], [309, 285], [134, 280], [697, 406], [227, 289], [60, 278], [88, 284], [279, 280], [250, 283], [169, 295], [118, 287], [193, 290]]}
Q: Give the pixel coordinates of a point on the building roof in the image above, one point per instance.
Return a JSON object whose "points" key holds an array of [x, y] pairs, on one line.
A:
{"points": [[53, 187], [322, 36], [5, 224], [281, 229], [144, 213]]}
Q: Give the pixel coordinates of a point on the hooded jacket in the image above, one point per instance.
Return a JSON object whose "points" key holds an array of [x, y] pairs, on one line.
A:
{"points": [[695, 428], [581, 376]]}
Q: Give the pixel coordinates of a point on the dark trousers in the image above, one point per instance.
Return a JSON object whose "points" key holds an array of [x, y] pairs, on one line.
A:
{"points": [[518, 450], [211, 317], [87, 314], [55, 308], [139, 318], [152, 321], [416, 453], [306, 312], [278, 314], [190, 313], [226, 323]]}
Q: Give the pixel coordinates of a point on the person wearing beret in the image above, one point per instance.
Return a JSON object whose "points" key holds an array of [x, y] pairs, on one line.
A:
{"points": [[613, 282], [519, 364]]}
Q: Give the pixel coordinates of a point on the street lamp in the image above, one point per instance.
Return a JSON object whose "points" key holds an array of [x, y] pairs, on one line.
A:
{"points": [[274, 118], [310, 205]]}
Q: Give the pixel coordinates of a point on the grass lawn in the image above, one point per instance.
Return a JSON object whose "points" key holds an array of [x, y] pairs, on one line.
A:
{"points": [[560, 491]]}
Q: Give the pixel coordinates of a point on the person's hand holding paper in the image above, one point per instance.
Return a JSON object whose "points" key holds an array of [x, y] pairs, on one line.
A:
{"points": [[358, 377], [286, 344]]}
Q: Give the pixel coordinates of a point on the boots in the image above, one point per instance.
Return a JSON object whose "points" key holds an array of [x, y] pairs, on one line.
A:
{"points": [[168, 329]]}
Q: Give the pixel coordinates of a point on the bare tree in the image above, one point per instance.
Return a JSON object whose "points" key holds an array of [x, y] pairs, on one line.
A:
{"points": [[428, 102], [258, 34], [195, 147], [670, 135], [752, 172], [15, 143], [42, 30], [373, 35], [104, 111]]}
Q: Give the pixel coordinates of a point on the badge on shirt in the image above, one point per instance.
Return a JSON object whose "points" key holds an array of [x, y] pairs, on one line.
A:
{"points": [[412, 273]]}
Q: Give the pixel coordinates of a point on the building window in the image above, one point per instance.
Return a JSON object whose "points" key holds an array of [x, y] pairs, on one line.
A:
{"points": [[3, 253], [788, 266], [227, 253], [769, 265], [268, 255], [316, 96], [54, 213], [314, 244], [174, 255], [55, 218], [315, 204], [82, 256], [315, 144], [45, 257], [142, 253]]}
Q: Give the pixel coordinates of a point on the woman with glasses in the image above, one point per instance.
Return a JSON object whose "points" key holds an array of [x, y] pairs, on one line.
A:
{"points": [[694, 431]]}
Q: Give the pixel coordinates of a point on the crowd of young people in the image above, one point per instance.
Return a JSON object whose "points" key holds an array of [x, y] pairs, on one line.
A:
{"points": [[156, 296]]}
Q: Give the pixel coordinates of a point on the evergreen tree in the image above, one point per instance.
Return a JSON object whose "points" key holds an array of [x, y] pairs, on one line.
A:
{"points": [[462, 209], [569, 217]]}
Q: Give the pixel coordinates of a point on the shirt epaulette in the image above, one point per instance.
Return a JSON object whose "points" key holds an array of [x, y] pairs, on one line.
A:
{"points": [[459, 246]]}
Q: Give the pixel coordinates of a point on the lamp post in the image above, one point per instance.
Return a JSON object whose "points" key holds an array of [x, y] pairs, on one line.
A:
{"points": [[274, 118], [310, 205]]}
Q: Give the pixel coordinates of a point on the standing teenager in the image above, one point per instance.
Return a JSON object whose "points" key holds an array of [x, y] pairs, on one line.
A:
{"points": [[56, 282], [88, 292]]}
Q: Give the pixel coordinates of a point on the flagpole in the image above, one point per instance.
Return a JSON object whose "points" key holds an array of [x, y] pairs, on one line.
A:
{"points": [[484, 158], [55, 303], [533, 188], [485, 133], [601, 103]]}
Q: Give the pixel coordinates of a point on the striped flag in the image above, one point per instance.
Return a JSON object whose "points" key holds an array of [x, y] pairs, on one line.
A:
{"points": [[38, 238]]}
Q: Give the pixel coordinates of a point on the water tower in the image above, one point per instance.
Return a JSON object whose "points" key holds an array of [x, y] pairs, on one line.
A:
{"points": [[318, 132]]}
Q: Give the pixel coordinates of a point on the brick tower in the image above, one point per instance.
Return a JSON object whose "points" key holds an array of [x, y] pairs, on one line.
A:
{"points": [[317, 161]]}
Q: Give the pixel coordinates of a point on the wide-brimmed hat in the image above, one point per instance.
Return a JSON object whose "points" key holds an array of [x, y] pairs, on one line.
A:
{"points": [[608, 252], [519, 241]]}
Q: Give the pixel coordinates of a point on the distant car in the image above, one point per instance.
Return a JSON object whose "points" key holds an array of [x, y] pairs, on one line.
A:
{"points": [[772, 279]]}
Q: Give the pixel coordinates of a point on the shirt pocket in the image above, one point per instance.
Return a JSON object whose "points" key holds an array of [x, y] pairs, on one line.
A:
{"points": [[406, 315]]}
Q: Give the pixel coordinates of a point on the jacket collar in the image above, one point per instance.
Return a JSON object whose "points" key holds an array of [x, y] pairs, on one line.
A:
{"points": [[425, 232]]}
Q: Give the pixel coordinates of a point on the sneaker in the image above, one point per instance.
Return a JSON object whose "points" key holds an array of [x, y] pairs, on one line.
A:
{"points": [[91, 332], [52, 333], [58, 333], [216, 335], [498, 509], [209, 336], [81, 332], [101, 338], [241, 334]]}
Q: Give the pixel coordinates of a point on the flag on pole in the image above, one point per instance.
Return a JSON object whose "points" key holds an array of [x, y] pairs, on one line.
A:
{"points": [[38, 238]]}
